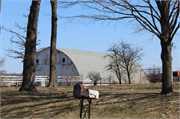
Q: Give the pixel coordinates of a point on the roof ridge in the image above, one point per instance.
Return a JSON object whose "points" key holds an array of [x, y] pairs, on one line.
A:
{"points": [[80, 50]]}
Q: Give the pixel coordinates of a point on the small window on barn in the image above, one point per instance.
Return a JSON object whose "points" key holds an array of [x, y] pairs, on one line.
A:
{"points": [[63, 60], [37, 61]]}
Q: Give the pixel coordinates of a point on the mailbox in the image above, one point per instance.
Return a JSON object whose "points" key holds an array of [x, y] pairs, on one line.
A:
{"points": [[85, 92], [91, 93], [79, 90]]}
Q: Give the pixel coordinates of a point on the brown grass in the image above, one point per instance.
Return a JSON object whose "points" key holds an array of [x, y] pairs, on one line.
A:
{"points": [[116, 101]]}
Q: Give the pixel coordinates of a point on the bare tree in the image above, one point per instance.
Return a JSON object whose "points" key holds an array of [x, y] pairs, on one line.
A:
{"points": [[2, 62], [129, 55], [94, 76], [159, 17], [30, 49], [115, 62], [123, 58], [52, 80], [19, 42], [154, 74]]}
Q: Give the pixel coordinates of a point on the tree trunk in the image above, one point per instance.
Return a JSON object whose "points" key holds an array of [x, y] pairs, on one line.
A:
{"points": [[129, 78], [166, 58], [52, 81], [119, 81], [119, 77], [30, 49]]}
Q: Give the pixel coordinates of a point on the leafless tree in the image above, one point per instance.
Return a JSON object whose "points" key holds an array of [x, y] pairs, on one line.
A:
{"points": [[2, 62], [124, 57], [19, 40], [154, 74], [114, 61], [52, 80], [159, 17], [129, 56], [94, 76], [30, 48]]}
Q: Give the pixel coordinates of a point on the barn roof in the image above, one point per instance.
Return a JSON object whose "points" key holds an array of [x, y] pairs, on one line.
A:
{"points": [[87, 61]]}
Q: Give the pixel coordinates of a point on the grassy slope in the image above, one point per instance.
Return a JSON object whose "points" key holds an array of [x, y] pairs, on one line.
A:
{"points": [[116, 101]]}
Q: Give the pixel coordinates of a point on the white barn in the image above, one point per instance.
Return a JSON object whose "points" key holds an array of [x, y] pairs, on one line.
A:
{"points": [[71, 62]]}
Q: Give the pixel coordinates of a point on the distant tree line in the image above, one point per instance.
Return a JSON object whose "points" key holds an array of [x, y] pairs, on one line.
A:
{"points": [[154, 74]]}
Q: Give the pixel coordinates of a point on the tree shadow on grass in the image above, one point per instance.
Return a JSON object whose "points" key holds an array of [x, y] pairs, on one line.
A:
{"points": [[21, 104], [61, 104], [138, 103]]}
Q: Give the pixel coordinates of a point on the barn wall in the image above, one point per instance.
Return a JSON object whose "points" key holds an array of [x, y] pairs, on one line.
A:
{"points": [[66, 68]]}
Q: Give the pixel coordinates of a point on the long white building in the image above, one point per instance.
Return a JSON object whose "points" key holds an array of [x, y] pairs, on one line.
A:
{"points": [[71, 62]]}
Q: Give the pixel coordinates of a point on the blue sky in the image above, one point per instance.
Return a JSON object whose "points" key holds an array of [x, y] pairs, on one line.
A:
{"points": [[81, 36]]}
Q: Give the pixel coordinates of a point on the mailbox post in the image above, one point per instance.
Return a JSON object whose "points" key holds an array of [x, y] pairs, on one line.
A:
{"points": [[85, 92]]}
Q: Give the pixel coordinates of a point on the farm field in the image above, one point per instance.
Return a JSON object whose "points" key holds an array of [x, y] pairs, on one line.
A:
{"points": [[116, 101]]}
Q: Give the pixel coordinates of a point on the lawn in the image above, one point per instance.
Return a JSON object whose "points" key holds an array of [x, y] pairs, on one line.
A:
{"points": [[116, 101]]}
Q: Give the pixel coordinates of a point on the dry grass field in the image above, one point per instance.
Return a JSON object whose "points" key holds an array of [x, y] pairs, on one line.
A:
{"points": [[116, 101]]}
